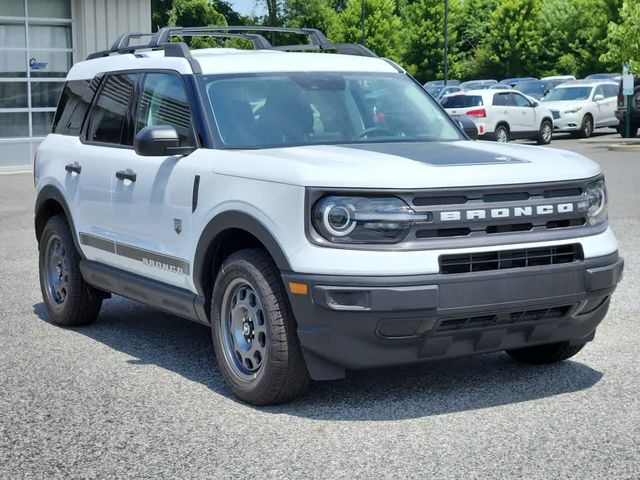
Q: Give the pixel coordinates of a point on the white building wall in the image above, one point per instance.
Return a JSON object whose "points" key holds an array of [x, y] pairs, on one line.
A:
{"points": [[98, 23]]}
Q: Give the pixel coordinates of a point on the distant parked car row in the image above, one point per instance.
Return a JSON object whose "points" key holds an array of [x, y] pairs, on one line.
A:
{"points": [[502, 113]]}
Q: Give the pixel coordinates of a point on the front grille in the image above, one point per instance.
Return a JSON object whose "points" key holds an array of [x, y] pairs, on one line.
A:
{"points": [[500, 211], [500, 319], [556, 114], [505, 259]]}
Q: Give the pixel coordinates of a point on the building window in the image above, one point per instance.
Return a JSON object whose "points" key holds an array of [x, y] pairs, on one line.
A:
{"points": [[36, 52]]}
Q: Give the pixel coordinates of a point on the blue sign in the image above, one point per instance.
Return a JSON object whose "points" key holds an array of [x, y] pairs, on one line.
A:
{"points": [[35, 65]]}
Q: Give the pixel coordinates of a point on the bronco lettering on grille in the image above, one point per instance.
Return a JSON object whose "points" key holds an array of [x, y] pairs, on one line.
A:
{"points": [[506, 212]]}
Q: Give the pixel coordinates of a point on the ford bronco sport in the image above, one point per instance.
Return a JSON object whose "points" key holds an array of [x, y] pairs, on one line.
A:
{"points": [[318, 210]]}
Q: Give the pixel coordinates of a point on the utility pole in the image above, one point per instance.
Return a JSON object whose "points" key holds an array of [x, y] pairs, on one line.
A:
{"points": [[362, 38], [446, 41]]}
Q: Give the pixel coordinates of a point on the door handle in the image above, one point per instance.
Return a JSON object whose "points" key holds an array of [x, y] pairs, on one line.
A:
{"points": [[71, 168], [126, 175]]}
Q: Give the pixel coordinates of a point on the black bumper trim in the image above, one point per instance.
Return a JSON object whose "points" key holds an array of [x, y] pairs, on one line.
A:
{"points": [[361, 322]]}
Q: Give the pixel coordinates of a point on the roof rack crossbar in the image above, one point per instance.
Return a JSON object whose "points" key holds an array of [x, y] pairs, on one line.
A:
{"points": [[316, 37], [343, 48], [161, 41], [124, 40]]}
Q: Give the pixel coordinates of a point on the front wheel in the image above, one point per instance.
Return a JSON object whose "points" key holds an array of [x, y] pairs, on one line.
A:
{"points": [[586, 129], [541, 354], [545, 133], [254, 332]]}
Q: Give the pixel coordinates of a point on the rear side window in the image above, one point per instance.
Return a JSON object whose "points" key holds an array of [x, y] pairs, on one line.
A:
{"points": [[73, 106], [164, 102], [462, 101], [610, 91], [110, 115], [503, 99]]}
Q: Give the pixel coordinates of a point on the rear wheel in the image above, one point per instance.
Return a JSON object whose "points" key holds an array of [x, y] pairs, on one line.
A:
{"points": [[67, 298], [501, 134], [545, 133], [254, 332], [540, 354]]}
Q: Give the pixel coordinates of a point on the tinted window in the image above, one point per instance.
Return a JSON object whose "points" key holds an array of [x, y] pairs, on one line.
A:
{"points": [[110, 114], [520, 101], [503, 99], [164, 102], [462, 101], [530, 87], [73, 106]]}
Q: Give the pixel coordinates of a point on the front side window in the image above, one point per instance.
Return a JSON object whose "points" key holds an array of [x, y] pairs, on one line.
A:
{"points": [[164, 102], [286, 109], [109, 117], [520, 101]]}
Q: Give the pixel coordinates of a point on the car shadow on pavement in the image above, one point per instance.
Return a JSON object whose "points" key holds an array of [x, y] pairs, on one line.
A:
{"points": [[426, 389]]}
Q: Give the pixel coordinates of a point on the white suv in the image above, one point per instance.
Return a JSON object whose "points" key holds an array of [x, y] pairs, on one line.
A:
{"points": [[581, 106], [503, 115], [321, 212]]}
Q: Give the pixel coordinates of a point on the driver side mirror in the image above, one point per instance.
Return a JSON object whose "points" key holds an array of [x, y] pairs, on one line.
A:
{"points": [[159, 141], [597, 97]]}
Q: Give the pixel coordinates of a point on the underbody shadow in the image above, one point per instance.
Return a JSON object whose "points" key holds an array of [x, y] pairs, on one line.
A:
{"points": [[422, 390]]}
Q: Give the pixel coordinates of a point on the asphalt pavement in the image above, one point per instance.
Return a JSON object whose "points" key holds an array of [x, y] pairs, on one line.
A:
{"points": [[137, 393]]}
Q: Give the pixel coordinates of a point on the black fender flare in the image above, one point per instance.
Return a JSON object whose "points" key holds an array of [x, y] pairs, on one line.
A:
{"points": [[51, 192], [234, 219]]}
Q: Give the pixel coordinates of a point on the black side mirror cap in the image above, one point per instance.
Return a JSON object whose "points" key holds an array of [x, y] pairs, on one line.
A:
{"points": [[159, 141]]}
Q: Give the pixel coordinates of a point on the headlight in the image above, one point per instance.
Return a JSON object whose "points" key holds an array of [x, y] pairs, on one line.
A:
{"points": [[345, 219], [573, 110], [595, 203]]}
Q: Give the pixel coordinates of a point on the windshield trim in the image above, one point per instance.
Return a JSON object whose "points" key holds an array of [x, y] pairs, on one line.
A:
{"points": [[218, 144]]}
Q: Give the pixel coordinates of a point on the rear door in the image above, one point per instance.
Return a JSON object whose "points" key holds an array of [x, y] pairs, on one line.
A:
{"points": [[524, 113], [607, 107], [153, 196], [102, 143]]}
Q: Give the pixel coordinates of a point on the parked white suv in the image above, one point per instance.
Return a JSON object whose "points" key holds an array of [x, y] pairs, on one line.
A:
{"points": [[321, 212], [581, 106], [503, 115]]}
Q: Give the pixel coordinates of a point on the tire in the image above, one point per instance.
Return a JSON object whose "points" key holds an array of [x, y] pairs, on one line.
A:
{"points": [[586, 128], [545, 133], [254, 332], [501, 134], [633, 132], [541, 354], [69, 301]]}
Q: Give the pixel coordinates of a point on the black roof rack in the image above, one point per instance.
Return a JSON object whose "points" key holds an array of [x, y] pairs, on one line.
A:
{"points": [[161, 41]]}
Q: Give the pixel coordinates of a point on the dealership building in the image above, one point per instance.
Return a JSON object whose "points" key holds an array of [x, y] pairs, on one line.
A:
{"points": [[39, 42]]}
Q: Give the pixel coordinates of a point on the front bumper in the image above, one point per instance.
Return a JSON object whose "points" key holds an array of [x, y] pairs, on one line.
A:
{"points": [[570, 122], [362, 322]]}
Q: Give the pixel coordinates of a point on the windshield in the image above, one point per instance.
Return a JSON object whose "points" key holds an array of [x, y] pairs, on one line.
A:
{"points": [[568, 93], [461, 101], [315, 108]]}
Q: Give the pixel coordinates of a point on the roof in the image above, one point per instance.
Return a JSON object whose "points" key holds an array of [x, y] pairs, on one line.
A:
{"points": [[587, 83], [227, 61]]}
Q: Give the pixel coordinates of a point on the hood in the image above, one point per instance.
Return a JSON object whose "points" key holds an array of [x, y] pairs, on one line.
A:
{"points": [[565, 104], [406, 165]]}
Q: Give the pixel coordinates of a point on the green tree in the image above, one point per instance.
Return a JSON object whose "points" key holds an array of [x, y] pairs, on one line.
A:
{"points": [[513, 42], [319, 14], [583, 28], [472, 29], [195, 13], [623, 39], [423, 37], [382, 26], [160, 13]]}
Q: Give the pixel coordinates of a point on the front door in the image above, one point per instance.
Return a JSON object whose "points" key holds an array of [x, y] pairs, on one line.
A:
{"points": [[153, 196]]}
